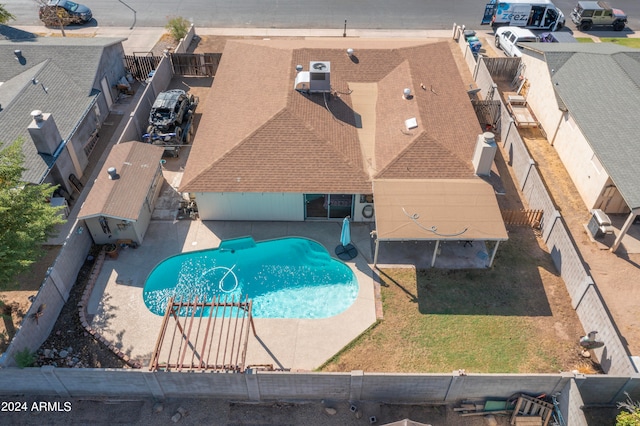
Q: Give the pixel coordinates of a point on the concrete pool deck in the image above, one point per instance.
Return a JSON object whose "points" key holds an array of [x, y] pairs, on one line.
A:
{"points": [[117, 310]]}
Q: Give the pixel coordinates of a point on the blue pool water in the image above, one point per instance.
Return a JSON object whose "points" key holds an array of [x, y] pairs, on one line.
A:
{"points": [[285, 278]]}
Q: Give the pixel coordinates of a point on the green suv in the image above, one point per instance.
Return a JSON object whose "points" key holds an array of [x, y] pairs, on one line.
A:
{"points": [[589, 13]]}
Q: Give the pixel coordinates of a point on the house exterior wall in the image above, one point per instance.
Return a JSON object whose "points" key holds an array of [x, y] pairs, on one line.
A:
{"points": [[590, 179], [579, 160], [541, 95], [250, 206], [144, 217], [263, 206], [359, 211], [112, 67]]}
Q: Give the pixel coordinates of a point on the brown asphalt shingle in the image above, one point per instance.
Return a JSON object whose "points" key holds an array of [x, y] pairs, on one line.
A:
{"points": [[136, 164], [260, 135]]}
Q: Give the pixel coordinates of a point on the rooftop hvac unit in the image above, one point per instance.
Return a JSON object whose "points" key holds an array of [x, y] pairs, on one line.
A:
{"points": [[320, 77]]}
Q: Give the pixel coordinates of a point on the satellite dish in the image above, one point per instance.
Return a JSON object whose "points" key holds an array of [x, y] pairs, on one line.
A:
{"points": [[319, 66]]}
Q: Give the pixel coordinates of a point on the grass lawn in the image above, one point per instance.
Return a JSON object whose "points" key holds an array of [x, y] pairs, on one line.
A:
{"points": [[623, 41], [514, 318], [628, 42]]}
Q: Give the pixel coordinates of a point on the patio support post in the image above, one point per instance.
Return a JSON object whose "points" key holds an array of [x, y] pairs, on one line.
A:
{"points": [[375, 254], [493, 255], [435, 253], [623, 230]]}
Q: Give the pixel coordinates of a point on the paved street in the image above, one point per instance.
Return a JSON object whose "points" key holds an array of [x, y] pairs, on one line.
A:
{"points": [[282, 14]]}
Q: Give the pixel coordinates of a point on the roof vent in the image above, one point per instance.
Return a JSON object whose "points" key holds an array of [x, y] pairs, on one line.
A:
{"points": [[113, 174], [18, 53], [350, 51], [406, 93], [36, 114], [298, 68]]}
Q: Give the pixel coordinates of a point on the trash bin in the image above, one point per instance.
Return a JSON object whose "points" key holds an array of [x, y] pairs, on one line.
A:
{"points": [[600, 224]]}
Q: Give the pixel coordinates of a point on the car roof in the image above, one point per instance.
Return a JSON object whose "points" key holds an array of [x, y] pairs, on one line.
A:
{"points": [[519, 32], [595, 5]]}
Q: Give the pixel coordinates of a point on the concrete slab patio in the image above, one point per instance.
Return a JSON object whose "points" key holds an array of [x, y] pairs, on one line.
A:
{"points": [[118, 311]]}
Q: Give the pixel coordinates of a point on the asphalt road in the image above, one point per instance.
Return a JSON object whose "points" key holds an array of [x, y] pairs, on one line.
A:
{"points": [[313, 14]]}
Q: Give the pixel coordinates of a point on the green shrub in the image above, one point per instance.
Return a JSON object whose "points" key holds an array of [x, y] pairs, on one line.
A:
{"points": [[25, 358], [628, 419], [178, 27], [631, 414]]}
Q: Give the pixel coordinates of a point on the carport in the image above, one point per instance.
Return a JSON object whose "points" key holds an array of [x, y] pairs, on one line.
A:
{"points": [[437, 210]]}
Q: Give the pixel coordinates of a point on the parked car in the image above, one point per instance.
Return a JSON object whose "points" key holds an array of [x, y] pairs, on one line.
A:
{"points": [[507, 39], [586, 14], [64, 12], [557, 37]]}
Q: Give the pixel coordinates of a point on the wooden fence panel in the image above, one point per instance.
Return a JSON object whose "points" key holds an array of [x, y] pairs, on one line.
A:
{"points": [[488, 113], [195, 64], [502, 67], [523, 217]]}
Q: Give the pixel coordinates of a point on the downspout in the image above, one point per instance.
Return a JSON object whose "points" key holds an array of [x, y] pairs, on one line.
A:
{"points": [[555, 133]]}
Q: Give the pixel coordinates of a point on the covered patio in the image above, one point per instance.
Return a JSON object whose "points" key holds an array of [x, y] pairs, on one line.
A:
{"points": [[451, 219]]}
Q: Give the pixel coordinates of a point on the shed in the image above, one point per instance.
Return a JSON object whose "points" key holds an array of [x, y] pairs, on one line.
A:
{"points": [[122, 198]]}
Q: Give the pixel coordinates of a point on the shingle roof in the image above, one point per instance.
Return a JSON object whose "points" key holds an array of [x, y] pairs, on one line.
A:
{"points": [[260, 135], [65, 70], [136, 164], [600, 86]]}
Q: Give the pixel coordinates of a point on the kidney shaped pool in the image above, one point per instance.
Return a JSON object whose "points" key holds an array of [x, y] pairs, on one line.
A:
{"points": [[285, 278]]}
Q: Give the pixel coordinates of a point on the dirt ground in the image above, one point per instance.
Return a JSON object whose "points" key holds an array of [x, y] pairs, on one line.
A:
{"points": [[216, 412], [613, 273]]}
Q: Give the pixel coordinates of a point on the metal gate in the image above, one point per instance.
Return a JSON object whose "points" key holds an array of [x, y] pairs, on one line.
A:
{"points": [[195, 64], [140, 66]]}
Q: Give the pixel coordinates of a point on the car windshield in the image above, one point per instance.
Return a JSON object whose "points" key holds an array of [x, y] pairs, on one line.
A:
{"points": [[69, 5]]}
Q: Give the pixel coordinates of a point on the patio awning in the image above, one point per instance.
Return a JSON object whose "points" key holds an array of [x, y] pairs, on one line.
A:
{"points": [[437, 209]]}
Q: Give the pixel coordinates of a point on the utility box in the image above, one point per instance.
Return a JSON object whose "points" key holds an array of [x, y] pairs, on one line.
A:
{"points": [[600, 224]]}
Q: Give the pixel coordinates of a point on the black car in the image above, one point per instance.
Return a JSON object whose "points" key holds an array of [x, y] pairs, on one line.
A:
{"points": [[64, 12]]}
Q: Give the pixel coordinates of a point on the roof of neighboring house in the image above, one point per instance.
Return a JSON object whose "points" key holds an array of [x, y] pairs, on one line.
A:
{"points": [[258, 134], [136, 164], [437, 209], [599, 84], [54, 75]]}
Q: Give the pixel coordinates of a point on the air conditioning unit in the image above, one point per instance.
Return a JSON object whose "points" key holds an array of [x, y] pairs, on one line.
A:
{"points": [[320, 77]]}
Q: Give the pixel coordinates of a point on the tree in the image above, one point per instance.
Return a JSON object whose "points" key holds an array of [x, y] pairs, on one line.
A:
{"points": [[5, 16], [26, 218]]}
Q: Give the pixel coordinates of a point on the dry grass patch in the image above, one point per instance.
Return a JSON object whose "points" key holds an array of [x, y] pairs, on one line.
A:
{"points": [[514, 318]]}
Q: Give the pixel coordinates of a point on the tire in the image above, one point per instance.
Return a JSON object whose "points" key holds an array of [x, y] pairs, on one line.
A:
{"points": [[497, 42], [558, 27], [618, 26], [585, 26], [178, 132]]}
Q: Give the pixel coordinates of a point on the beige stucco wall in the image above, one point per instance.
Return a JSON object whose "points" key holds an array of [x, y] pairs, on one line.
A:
{"points": [[250, 206], [563, 133]]}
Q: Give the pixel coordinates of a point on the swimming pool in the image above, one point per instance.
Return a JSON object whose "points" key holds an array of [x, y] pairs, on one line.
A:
{"points": [[285, 278]]}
